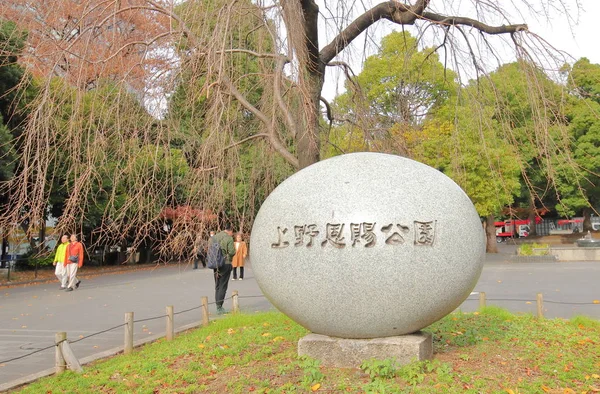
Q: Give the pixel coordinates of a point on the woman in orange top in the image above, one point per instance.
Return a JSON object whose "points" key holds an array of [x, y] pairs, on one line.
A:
{"points": [[73, 261], [241, 251]]}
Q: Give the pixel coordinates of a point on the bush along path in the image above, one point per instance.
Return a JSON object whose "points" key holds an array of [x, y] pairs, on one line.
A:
{"points": [[491, 351]]}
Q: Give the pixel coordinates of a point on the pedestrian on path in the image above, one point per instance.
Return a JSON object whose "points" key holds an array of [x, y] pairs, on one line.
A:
{"points": [[222, 275], [59, 262], [241, 251], [73, 261]]}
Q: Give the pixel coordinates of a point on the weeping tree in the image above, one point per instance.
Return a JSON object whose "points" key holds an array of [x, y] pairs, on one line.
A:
{"points": [[236, 85]]}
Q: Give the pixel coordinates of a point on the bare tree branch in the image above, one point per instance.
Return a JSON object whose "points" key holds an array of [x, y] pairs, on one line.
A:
{"points": [[403, 14], [272, 135]]}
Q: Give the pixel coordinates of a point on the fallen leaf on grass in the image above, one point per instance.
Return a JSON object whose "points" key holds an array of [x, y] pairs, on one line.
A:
{"points": [[266, 324], [568, 391], [546, 389], [509, 391], [230, 331], [266, 334], [201, 346], [595, 376], [315, 387], [278, 339]]}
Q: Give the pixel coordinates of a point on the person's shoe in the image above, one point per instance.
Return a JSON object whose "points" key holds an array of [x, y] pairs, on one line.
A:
{"points": [[233, 278], [241, 279], [221, 311], [69, 289], [62, 288], [77, 284]]}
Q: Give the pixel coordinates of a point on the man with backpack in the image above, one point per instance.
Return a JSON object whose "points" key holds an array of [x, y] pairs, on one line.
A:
{"points": [[220, 252]]}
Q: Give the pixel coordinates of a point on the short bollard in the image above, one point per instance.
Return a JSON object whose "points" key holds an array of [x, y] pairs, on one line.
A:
{"points": [[205, 311], [235, 301], [60, 363], [481, 300], [170, 325], [540, 306], [128, 347]]}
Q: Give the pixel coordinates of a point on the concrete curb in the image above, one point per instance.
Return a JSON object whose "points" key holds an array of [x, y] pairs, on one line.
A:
{"points": [[89, 359]]}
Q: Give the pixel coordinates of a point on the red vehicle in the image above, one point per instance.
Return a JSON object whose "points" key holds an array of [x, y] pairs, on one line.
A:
{"points": [[513, 229]]}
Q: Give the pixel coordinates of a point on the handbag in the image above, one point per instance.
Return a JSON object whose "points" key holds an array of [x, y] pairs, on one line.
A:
{"points": [[74, 258]]}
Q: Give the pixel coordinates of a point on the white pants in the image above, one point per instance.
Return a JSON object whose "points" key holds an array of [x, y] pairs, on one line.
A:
{"points": [[72, 275], [61, 274]]}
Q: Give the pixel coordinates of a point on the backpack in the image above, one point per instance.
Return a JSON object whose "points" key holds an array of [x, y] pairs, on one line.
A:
{"points": [[215, 259]]}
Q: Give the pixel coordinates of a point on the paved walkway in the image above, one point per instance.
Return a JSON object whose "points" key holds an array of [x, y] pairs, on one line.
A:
{"points": [[31, 315]]}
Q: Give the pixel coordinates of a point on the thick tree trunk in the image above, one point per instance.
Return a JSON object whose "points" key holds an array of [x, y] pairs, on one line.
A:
{"points": [[312, 77], [307, 142], [587, 219], [490, 235]]}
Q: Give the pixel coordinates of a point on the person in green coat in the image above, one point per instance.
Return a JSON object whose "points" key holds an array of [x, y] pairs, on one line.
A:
{"points": [[222, 275]]}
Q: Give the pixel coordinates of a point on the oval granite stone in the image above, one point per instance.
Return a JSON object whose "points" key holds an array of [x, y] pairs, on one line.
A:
{"points": [[367, 245]]}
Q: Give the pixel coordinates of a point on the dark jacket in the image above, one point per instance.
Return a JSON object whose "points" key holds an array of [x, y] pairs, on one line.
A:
{"points": [[226, 242]]}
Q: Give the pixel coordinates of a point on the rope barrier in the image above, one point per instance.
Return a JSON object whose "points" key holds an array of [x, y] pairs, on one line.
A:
{"points": [[524, 300], [97, 333], [260, 296], [27, 355]]}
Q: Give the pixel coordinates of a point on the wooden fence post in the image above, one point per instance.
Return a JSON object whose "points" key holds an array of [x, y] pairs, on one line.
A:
{"points": [[481, 300], [235, 301], [59, 360], [69, 356], [170, 325], [205, 311], [128, 347], [540, 306]]}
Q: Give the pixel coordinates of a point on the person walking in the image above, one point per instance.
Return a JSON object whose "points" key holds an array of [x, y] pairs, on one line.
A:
{"points": [[73, 261], [241, 251], [59, 262], [225, 241]]}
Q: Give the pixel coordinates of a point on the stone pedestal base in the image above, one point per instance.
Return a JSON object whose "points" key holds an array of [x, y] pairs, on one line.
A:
{"points": [[351, 353]]}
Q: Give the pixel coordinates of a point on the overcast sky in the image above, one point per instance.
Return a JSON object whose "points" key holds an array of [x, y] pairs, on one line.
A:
{"points": [[582, 40], [579, 38]]}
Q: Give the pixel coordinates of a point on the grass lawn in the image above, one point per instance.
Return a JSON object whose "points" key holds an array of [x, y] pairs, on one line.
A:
{"points": [[492, 351]]}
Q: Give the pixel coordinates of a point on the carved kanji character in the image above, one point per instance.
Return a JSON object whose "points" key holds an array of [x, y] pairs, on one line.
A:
{"points": [[305, 230], [424, 233], [363, 231], [334, 235], [395, 238], [280, 244]]}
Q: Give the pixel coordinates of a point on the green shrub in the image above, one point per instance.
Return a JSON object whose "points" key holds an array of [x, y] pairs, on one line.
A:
{"points": [[533, 249]]}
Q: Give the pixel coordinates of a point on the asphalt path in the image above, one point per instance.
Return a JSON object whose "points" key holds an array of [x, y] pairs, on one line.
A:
{"points": [[31, 315]]}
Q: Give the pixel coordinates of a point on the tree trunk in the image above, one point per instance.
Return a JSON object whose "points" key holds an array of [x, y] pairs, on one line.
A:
{"points": [[308, 140], [42, 237], [490, 235], [4, 256], [587, 219], [312, 77], [532, 216], [25, 228]]}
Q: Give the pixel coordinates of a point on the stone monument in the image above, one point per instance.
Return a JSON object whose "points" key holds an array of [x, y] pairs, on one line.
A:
{"points": [[365, 250]]}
